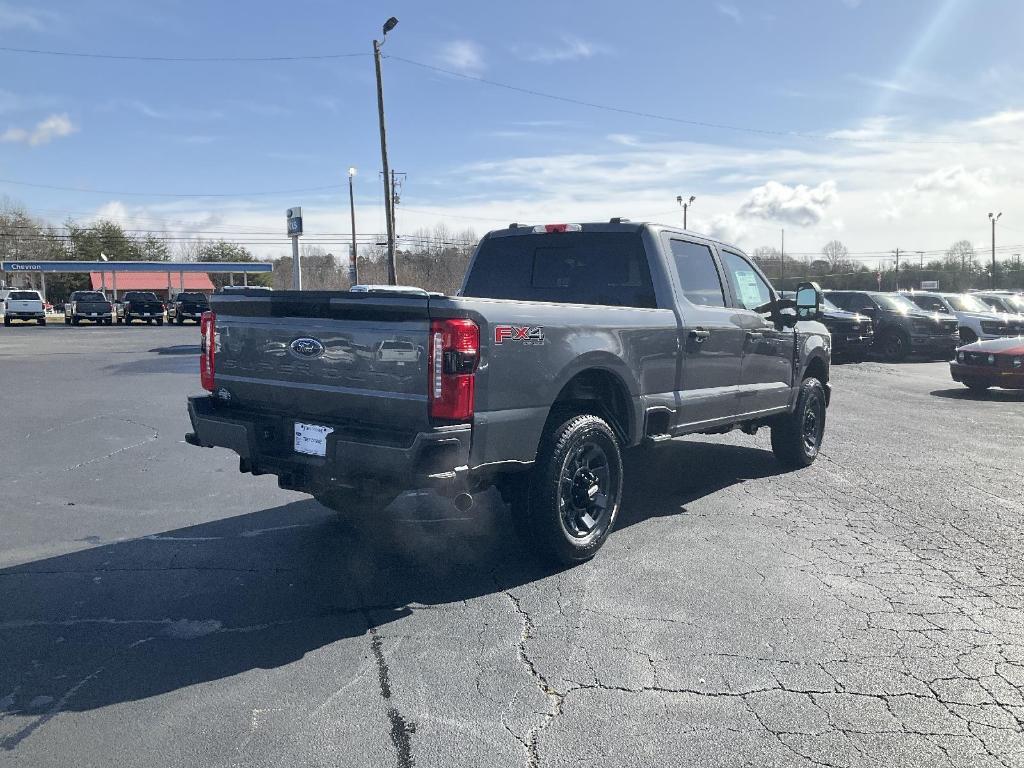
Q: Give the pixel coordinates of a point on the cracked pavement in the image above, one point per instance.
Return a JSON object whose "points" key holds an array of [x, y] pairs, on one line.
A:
{"points": [[158, 608]]}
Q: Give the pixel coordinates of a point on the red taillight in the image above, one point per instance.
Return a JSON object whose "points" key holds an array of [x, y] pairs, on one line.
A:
{"points": [[207, 349], [454, 353]]}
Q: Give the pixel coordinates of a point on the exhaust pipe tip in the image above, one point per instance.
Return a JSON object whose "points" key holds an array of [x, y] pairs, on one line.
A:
{"points": [[463, 502]]}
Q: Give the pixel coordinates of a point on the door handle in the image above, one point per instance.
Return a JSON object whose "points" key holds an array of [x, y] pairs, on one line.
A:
{"points": [[700, 335]]}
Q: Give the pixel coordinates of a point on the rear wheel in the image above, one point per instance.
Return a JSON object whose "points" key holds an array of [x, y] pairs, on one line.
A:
{"points": [[159, 321], [575, 492], [41, 321], [179, 320], [7, 320], [76, 321], [67, 320], [797, 437]]}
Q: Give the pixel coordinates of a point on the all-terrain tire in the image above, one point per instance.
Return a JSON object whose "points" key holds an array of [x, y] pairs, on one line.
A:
{"points": [[895, 346], [797, 437], [575, 491]]}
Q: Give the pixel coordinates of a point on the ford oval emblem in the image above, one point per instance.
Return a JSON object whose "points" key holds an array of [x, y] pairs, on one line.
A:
{"points": [[307, 348]]}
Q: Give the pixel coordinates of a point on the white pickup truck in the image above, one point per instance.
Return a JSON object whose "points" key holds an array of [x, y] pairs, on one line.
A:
{"points": [[24, 305]]}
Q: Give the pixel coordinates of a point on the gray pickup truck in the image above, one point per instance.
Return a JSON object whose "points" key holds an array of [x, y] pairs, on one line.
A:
{"points": [[566, 344]]}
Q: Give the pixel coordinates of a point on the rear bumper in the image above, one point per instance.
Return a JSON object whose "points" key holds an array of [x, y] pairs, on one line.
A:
{"points": [[994, 377], [25, 315], [436, 459]]}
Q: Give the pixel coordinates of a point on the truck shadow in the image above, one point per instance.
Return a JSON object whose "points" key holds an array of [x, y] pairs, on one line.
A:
{"points": [[995, 395], [131, 619]]}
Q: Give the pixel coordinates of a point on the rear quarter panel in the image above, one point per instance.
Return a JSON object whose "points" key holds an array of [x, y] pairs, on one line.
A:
{"points": [[519, 380]]}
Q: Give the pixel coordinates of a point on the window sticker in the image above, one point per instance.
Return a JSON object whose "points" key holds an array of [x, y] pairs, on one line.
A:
{"points": [[750, 292]]}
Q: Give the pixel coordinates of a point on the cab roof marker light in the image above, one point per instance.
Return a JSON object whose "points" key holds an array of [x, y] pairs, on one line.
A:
{"points": [[541, 229]]}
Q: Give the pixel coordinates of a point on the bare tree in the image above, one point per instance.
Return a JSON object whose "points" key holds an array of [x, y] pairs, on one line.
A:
{"points": [[836, 254], [961, 254]]}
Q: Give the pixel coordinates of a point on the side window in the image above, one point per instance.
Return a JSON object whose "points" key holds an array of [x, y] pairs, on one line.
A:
{"points": [[698, 274], [751, 289]]}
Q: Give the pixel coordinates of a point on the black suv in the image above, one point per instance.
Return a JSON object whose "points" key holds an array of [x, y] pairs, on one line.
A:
{"points": [[852, 333], [901, 327]]}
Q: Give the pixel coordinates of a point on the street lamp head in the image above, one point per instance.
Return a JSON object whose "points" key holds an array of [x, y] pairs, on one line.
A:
{"points": [[351, 172], [999, 215], [679, 199], [389, 25], [692, 198], [990, 214]]}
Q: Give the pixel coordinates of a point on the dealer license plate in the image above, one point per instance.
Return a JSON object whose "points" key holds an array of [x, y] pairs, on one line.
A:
{"points": [[311, 439]]}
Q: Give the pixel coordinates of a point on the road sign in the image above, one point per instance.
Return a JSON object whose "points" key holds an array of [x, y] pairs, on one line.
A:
{"points": [[294, 216], [929, 285]]}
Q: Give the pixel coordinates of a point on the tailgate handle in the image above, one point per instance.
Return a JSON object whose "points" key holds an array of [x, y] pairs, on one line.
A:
{"points": [[754, 336], [700, 335]]}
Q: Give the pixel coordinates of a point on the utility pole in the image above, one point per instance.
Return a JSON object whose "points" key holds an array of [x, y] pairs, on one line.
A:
{"points": [[686, 205], [994, 220], [397, 181], [389, 211], [896, 276], [353, 268]]}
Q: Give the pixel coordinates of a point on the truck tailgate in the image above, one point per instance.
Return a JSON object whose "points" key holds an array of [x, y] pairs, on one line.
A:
{"points": [[339, 358]]}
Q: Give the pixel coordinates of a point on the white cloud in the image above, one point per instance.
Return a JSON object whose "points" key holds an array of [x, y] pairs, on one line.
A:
{"points": [[731, 11], [801, 205], [1007, 117], [21, 17], [956, 179], [463, 56], [45, 131], [570, 48]]}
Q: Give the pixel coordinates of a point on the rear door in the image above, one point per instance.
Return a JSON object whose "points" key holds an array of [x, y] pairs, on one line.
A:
{"points": [[766, 377], [711, 341]]}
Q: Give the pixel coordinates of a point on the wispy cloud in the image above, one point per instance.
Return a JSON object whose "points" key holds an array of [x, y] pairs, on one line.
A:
{"points": [[45, 131], [463, 56], [16, 102], [568, 48], [25, 17], [731, 11], [884, 84], [166, 113]]}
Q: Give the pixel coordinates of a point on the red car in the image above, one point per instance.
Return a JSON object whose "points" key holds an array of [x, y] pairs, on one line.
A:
{"points": [[992, 363]]}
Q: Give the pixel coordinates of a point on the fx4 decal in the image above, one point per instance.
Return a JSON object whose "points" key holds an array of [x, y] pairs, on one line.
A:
{"points": [[524, 333]]}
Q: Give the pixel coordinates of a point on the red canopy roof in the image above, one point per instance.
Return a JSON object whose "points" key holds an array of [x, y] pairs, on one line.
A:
{"points": [[152, 281]]}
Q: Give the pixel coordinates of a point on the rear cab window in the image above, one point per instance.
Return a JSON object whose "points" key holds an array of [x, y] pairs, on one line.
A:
{"points": [[23, 296], [603, 268], [697, 273]]}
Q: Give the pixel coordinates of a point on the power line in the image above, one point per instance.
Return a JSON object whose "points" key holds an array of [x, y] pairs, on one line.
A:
{"points": [[182, 59], [87, 190], [667, 118]]}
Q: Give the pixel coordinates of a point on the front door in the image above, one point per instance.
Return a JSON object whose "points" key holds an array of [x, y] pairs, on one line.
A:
{"points": [[711, 342], [767, 371]]}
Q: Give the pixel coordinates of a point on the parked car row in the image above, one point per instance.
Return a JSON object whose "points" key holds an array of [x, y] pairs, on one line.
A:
{"points": [[95, 307]]}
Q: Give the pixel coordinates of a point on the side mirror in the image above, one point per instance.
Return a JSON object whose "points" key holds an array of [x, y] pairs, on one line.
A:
{"points": [[808, 301]]}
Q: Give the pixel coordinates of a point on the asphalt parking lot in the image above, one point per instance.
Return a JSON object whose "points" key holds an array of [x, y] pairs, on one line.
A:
{"points": [[158, 608]]}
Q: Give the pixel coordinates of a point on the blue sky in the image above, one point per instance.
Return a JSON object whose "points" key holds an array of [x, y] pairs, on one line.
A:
{"points": [[911, 116]]}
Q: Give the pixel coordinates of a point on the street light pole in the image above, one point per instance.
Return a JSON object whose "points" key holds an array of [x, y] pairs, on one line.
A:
{"points": [[686, 205], [896, 276], [388, 208], [994, 220], [353, 268]]}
